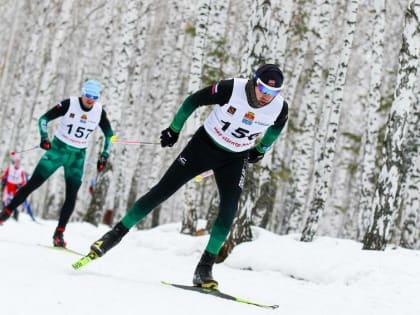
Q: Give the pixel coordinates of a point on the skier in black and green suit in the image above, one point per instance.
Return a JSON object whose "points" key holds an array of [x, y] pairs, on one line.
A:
{"points": [[246, 109], [80, 117]]}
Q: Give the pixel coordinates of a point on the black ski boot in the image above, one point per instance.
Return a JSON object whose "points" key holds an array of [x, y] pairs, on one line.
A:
{"points": [[58, 238], [16, 215], [4, 215], [109, 240], [203, 276]]}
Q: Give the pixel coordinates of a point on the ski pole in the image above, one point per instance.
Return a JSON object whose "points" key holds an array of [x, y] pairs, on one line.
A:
{"points": [[115, 140], [26, 150], [133, 142], [200, 177]]}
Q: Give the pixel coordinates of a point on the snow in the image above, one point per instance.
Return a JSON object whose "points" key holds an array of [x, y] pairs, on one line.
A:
{"points": [[327, 276]]}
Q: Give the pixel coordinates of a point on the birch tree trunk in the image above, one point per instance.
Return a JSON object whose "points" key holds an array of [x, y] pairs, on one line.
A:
{"points": [[8, 60], [47, 95], [368, 179], [263, 211], [411, 222], [163, 101], [136, 94], [120, 119], [214, 64], [393, 174], [191, 200], [326, 159], [410, 231], [302, 159], [257, 50], [96, 208]]}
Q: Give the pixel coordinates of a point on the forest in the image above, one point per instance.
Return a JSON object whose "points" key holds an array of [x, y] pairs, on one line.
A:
{"points": [[347, 165]]}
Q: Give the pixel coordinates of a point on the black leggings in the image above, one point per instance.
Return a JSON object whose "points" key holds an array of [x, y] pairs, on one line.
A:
{"points": [[72, 187], [200, 154]]}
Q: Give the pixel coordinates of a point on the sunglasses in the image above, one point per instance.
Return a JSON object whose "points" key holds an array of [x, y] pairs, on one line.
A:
{"points": [[266, 89], [92, 97]]}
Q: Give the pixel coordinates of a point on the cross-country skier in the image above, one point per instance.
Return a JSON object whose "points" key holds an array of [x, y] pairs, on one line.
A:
{"points": [[80, 117], [12, 179], [225, 144]]}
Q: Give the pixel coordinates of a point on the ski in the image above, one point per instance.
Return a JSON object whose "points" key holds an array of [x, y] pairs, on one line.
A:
{"points": [[62, 249], [84, 260], [219, 294]]}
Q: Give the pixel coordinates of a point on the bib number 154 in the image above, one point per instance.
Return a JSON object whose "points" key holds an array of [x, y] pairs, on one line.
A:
{"points": [[239, 132]]}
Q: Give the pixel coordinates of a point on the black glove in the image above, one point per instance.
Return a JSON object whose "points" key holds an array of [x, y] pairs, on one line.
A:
{"points": [[168, 137], [254, 155], [45, 144], [101, 163]]}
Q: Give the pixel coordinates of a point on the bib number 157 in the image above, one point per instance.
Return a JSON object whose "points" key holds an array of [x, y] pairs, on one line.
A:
{"points": [[80, 132]]}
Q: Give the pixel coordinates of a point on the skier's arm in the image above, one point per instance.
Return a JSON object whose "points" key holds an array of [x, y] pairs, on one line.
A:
{"points": [[215, 94], [273, 131], [58, 110], [105, 126], [4, 176]]}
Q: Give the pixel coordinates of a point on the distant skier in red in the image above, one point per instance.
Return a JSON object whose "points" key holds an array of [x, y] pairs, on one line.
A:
{"points": [[12, 179]]}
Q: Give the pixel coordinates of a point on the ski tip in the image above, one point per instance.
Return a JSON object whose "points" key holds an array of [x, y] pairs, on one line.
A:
{"points": [[85, 260]]}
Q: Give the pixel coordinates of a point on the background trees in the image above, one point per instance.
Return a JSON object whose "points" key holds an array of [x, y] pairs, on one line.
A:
{"points": [[149, 55]]}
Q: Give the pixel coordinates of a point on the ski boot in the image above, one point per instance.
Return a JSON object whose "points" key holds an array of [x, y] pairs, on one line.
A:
{"points": [[4, 215], [16, 215], [203, 276], [58, 238], [109, 240]]}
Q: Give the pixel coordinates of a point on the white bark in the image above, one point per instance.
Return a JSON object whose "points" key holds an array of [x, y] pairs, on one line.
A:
{"points": [[120, 119], [302, 160], [191, 198], [326, 159], [369, 173], [393, 173]]}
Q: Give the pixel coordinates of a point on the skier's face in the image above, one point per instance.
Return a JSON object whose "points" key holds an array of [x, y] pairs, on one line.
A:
{"points": [[265, 93], [262, 98], [88, 102]]}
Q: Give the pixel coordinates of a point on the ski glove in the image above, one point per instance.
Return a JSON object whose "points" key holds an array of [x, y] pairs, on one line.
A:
{"points": [[168, 137], [101, 163], [254, 155], [45, 144]]}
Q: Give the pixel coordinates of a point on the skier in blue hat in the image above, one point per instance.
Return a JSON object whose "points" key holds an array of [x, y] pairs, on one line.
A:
{"points": [[79, 118]]}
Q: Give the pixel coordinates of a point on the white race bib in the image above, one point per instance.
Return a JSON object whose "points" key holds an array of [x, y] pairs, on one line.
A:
{"points": [[236, 125], [77, 125]]}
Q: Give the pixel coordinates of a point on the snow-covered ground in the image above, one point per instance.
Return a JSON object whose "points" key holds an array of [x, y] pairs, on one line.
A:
{"points": [[327, 276]]}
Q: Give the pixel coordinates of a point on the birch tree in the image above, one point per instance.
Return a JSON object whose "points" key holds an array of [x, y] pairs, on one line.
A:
{"points": [[8, 60], [411, 220], [120, 76], [410, 231], [215, 61], [325, 160], [393, 173], [257, 50], [368, 178], [167, 60], [301, 163], [47, 94], [191, 202]]}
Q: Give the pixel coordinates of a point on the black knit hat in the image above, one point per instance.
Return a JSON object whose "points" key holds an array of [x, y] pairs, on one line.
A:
{"points": [[270, 74]]}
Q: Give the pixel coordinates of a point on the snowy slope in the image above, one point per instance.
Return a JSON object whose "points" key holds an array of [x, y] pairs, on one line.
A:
{"points": [[328, 276]]}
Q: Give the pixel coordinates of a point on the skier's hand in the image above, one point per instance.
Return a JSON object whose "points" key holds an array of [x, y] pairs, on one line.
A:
{"points": [[168, 137], [45, 144], [101, 163], [254, 155]]}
